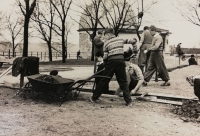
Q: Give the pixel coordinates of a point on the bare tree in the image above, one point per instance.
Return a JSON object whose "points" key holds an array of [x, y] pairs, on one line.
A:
{"points": [[62, 8], [119, 14], [142, 8], [14, 27], [1, 20], [90, 19], [27, 12], [44, 18], [57, 46], [189, 9]]}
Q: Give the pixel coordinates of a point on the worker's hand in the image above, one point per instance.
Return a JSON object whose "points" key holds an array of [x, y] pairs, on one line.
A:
{"points": [[145, 51], [133, 91]]}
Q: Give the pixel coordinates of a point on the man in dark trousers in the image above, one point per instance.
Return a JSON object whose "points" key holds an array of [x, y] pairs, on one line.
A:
{"points": [[114, 56], [156, 60], [192, 60], [144, 44]]}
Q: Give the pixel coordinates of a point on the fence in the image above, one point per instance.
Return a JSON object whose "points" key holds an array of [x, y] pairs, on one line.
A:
{"points": [[44, 56]]}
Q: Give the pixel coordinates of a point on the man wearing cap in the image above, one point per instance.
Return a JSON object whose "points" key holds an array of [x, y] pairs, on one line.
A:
{"points": [[192, 60], [156, 60], [114, 56], [144, 44]]}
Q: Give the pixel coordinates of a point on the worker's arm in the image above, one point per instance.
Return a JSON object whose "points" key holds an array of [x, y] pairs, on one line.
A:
{"points": [[140, 77], [157, 41]]}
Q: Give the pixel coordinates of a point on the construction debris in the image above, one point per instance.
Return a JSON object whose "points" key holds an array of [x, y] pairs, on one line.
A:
{"points": [[190, 111]]}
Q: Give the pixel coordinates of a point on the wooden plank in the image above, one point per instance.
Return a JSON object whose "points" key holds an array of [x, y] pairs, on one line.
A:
{"points": [[156, 94], [106, 95], [166, 101], [153, 99], [168, 96], [6, 72]]}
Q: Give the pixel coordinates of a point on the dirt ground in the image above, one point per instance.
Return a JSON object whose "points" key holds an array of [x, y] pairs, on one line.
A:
{"points": [[109, 117]]}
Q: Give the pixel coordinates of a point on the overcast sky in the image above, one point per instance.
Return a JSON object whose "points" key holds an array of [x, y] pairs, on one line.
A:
{"points": [[162, 15]]}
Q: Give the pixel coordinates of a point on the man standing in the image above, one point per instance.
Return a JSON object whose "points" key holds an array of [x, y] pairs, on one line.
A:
{"points": [[98, 43], [114, 56], [144, 44], [98, 46], [156, 60]]}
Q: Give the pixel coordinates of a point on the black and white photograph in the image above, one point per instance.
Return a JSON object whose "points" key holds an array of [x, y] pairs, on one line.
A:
{"points": [[99, 68]]}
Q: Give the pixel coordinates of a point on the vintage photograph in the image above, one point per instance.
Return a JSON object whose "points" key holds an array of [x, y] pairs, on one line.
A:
{"points": [[99, 68]]}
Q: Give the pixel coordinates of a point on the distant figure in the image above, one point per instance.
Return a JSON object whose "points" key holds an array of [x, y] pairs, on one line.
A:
{"points": [[192, 61], [78, 55], [180, 52]]}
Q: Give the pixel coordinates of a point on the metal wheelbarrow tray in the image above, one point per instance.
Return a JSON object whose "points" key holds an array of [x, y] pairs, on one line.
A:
{"points": [[49, 88]]}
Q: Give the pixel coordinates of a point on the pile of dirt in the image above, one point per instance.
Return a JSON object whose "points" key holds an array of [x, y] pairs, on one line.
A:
{"points": [[47, 78], [190, 111]]}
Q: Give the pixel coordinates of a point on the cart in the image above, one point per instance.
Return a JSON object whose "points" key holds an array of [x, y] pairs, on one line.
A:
{"points": [[57, 88]]}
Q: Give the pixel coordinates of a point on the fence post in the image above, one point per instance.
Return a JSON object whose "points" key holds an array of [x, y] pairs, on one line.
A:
{"points": [[37, 54], [44, 55], [9, 53], [196, 58], [69, 55], [41, 55]]}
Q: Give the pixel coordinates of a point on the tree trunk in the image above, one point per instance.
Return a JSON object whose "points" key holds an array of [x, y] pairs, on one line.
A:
{"points": [[92, 53], [13, 47], [50, 51], [26, 24], [63, 42]]}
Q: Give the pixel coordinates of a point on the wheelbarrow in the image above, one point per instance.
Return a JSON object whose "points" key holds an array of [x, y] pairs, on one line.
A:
{"points": [[57, 87]]}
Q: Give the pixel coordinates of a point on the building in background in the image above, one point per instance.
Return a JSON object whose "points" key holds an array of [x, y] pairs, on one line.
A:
{"points": [[85, 43]]}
